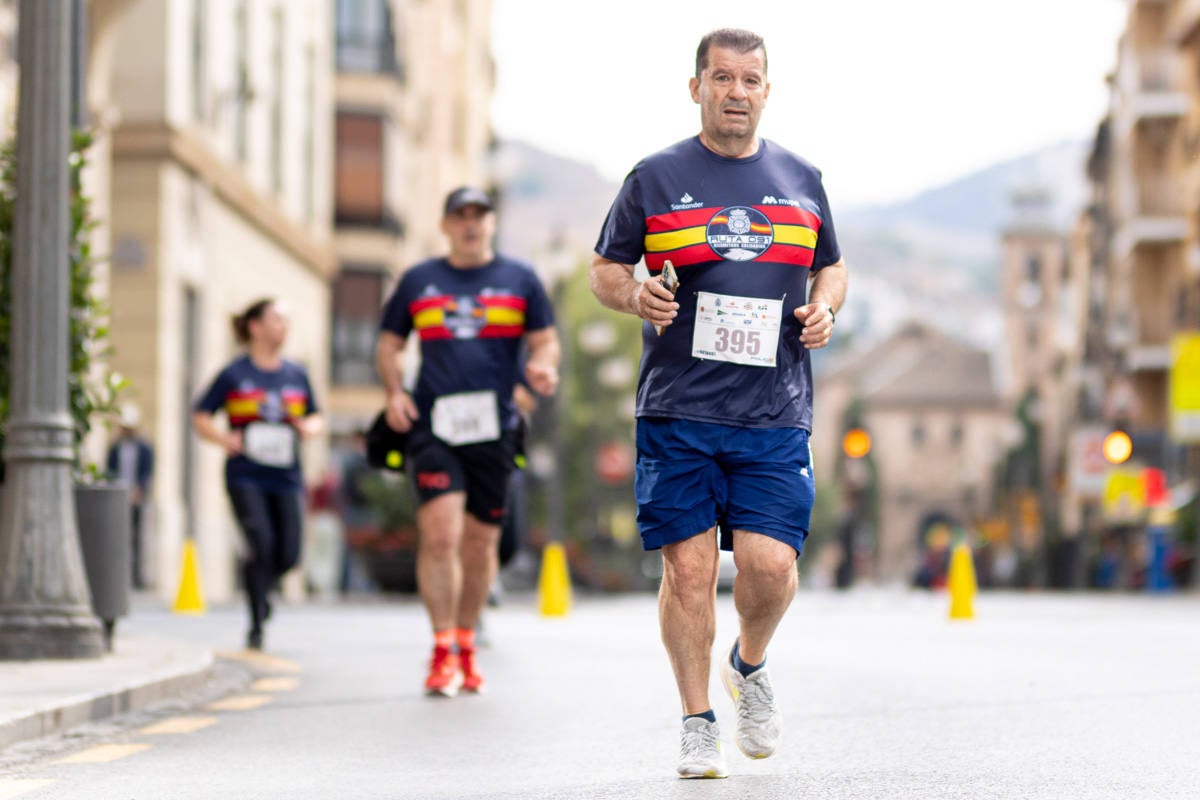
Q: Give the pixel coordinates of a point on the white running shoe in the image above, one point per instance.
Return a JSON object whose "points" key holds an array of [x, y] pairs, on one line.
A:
{"points": [[700, 753], [759, 723]]}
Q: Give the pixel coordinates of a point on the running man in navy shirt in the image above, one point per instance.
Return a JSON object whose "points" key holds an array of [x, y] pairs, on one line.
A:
{"points": [[472, 311], [724, 399]]}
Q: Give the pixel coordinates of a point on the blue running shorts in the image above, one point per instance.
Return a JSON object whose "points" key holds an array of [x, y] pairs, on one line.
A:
{"points": [[692, 475]]}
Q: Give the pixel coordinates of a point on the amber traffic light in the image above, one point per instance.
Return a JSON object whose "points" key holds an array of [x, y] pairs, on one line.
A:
{"points": [[1117, 447], [856, 443]]}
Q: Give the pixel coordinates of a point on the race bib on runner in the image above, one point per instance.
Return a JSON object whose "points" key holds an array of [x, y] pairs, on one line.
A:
{"points": [[466, 418], [272, 444], [740, 330]]}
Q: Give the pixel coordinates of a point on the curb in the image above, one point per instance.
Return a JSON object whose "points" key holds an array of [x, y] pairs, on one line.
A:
{"points": [[58, 716]]}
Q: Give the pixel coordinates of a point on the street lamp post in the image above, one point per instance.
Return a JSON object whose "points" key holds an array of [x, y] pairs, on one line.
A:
{"points": [[44, 601]]}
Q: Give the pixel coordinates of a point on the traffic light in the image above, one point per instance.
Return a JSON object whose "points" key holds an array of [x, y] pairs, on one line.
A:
{"points": [[1117, 447], [856, 443]]}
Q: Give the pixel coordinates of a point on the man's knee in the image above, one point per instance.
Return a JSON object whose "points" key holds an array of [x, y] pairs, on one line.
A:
{"points": [[689, 571], [760, 558]]}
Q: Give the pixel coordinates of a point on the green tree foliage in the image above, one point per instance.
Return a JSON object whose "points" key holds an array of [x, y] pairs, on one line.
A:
{"points": [[94, 390]]}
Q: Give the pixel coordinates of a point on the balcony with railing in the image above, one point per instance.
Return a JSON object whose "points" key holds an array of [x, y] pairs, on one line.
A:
{"points": [[1157, 90], [1156, 215]]}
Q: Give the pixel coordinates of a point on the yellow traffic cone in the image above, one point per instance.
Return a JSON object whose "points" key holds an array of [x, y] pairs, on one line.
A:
{"points": [[189, 600], [554, 582], [961, 582]]}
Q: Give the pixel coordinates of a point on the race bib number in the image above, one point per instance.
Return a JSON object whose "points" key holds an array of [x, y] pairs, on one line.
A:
{"points": [[272, 444], [466, 418], [740, 330]]}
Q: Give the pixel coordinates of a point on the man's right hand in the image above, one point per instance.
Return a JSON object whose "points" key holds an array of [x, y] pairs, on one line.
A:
{"points": [[653, 303], [401, 411]]}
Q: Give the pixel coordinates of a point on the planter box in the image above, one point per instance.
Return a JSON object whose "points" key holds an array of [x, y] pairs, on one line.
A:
{"points": [[102, 514]]}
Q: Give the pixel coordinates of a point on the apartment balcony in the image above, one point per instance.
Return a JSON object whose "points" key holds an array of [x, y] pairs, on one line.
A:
{"points": [[369, 53], [378, 220], [1157, 216], [1156, 91], [1149, 358]]}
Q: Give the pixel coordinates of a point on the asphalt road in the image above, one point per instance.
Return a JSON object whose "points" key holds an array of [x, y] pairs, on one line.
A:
{"points": [[1040, 696]]}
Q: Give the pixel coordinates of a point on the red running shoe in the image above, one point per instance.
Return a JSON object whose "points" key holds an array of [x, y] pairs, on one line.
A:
{"points": [[472, 681], [444, 678]]}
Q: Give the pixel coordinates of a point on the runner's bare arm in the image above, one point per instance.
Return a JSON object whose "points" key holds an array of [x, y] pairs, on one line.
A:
{"points": [[541, 368], [401, 410], [205, 425], [825, 297], [615, 286]]}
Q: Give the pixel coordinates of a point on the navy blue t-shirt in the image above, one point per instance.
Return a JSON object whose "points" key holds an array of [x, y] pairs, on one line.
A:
{"points": [[248, 394], [471, 324], [755, 227]]}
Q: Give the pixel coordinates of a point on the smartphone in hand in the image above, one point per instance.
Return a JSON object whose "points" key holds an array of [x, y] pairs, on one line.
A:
{"points": [[670, 282]]}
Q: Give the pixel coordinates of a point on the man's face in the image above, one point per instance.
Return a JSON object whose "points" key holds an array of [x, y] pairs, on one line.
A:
{"points": [[470, 230], [732, 92]]}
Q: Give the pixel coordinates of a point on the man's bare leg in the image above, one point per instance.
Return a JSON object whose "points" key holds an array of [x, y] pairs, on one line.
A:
{"points": [[480, 562], [762, 591], [687, 615], [439, 570]]}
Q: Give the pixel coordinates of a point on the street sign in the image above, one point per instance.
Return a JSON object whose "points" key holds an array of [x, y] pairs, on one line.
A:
{"points": [[1184, 394], [1124, 495], [1088, 467]]}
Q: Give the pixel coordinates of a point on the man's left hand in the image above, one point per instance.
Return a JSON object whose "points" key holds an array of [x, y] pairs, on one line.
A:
{"points": [[817, 320], [543, 378]]}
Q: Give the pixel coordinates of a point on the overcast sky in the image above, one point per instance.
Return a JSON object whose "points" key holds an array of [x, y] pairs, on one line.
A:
{"points": [[886, 97]]}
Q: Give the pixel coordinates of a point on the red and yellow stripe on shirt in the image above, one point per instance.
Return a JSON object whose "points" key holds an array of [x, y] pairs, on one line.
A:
{"points": [[295, 402], [491, 317], [242, 406], [682, 237]]}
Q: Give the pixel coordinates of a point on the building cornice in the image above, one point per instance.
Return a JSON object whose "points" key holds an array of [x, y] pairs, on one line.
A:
{"points": [[158, 142]]}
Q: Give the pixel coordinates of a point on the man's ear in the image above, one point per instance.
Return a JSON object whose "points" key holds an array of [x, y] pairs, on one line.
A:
{"points": [[694, 87]]}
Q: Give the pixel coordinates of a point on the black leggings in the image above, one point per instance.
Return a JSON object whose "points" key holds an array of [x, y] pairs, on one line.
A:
{"points": [[271, 523]]}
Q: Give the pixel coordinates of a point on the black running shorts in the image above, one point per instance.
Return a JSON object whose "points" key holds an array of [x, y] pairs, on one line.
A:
{"points": [[481, 470]]}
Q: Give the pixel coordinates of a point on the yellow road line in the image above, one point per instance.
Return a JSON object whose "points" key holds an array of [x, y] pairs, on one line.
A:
{"points": [[242, 702], [263, 660], [179, 725], [275, 684], [102, 754], [15, 787]]}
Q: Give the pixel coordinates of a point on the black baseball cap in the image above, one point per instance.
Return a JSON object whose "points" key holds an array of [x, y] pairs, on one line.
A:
{"points": [[466, 196]]}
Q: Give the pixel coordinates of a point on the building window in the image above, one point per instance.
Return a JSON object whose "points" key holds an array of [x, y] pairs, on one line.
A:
{"points": [[918, 434], [242, 76], [956, 433], [310, 104], [199, 60], [365, 40], [277, 67], [357, 297], [358, 191], [1033, 269]]}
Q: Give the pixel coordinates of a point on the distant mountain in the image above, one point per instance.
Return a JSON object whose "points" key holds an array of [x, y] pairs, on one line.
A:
{"points": [[552, 207], [980, 203]]}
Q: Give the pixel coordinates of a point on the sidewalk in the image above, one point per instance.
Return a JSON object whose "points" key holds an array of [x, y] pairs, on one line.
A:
{"points": [[40, 698]]}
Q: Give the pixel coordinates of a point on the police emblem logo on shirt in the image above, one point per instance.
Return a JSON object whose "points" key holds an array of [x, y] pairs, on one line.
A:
{"points": [[739, 233], [464, 317]]}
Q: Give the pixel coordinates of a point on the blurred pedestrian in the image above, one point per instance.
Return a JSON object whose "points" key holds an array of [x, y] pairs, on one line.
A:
{"points": [[472, 311], [270, 408], [131, 462], [724, 400]]}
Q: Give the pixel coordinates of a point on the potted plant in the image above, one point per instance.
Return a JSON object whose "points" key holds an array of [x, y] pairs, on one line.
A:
{"points": [[102, 507], [388, 548]]}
